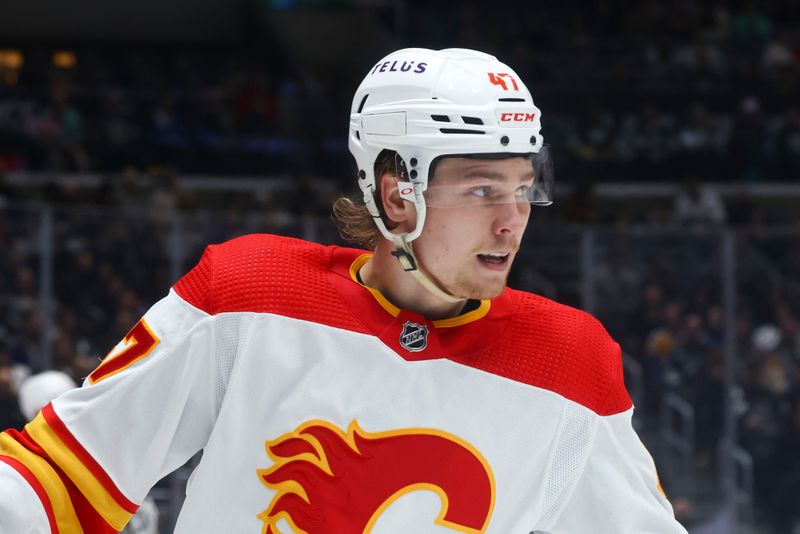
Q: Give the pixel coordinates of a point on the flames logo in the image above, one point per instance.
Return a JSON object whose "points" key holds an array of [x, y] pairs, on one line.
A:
{"points": [[330, 481]]}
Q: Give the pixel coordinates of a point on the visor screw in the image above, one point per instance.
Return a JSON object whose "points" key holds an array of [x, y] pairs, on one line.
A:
{"points": [[504, 140], [533, 140], [362, 174], [413, 174], [413, 162]]}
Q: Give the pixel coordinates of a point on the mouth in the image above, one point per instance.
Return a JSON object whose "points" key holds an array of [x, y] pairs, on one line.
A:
{"points": [[496, 261]]}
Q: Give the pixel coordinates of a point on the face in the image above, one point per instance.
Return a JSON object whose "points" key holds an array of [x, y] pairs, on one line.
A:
{"points": [[477, 212]]}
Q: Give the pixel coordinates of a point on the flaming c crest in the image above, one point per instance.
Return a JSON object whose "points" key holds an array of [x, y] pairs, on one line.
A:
{"points": [[331, 482]]}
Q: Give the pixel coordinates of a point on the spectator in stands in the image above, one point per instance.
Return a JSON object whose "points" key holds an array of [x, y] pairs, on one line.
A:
{"points": [[766, 343], [39, 389], [701, 61], [661, 347], [167, 196], [618, 280], [700, 138], [698, 206], [780, 53], [645, 140], [768, 400]]}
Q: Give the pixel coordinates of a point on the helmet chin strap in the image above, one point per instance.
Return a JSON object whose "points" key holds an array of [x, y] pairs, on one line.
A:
{"points": [[405, 255], [402, 242]]}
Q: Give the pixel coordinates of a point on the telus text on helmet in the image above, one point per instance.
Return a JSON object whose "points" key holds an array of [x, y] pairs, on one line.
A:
{"points": [[404, 66]]}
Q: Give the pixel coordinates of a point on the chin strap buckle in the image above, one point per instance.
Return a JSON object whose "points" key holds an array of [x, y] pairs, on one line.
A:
{"points": [[405, 255], [407, 261]]}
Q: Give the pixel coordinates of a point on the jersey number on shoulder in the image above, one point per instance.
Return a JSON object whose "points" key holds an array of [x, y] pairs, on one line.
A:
{"points": [[139, 342]]}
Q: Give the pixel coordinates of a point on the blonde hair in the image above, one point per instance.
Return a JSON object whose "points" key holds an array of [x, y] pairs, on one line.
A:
{"points": [[351, 215]]}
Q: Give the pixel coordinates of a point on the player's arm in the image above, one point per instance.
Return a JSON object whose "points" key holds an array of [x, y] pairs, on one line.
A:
{"points": [[616, 490], [87, 460]]}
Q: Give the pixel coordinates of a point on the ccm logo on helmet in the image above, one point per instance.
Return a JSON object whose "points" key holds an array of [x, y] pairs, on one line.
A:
{"points": [[517, 117]]}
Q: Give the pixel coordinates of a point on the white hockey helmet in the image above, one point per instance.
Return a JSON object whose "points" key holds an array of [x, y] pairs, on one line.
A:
{"points": [[37, 390], [424, 104]]}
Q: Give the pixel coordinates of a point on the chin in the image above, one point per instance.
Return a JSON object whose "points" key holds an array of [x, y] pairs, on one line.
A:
{"points": [[491, 294], [473, 290]]}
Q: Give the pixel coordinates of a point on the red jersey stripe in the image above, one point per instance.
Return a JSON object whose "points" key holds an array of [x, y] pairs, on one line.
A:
{"points": [[61, 430], [25, 473]]}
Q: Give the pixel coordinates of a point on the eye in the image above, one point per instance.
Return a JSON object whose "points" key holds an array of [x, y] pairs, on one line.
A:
{"points": [[481, 192]]}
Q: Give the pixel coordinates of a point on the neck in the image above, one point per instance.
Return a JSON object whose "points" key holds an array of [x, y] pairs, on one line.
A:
{"points": [[384, 273]]}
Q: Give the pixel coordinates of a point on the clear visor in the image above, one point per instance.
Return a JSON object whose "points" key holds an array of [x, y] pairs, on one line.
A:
{"points": [[530, 182]]}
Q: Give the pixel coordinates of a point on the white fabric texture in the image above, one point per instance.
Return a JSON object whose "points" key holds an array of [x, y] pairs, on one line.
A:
{"points": [[618, 489], [21, 512]]}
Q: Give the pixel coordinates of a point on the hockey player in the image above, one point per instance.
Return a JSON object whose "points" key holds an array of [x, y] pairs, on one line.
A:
{"points": [[341, 391]]}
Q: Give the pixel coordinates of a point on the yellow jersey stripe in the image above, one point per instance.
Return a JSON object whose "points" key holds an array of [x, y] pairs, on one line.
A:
{"points": [[81, 476], [65, 516]]}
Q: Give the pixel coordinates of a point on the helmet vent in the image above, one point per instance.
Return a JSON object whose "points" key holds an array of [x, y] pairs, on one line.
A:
{"points": [[512, 100], [363, 101], [471, 120], [440, 118], [460, 131]]}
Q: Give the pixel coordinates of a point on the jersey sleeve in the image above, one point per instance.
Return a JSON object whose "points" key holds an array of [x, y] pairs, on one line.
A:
{"points": [[618, 489], [92, 454]]}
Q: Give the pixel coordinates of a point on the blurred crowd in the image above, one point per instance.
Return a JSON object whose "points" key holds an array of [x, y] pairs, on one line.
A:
{"points": [[111, 251], [643, 92], [627, 93], [660, 293]]}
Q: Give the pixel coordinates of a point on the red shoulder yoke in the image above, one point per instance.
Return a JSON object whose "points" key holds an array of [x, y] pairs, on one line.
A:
{"points": [[543, 343], [267, 274], [561, 349]]}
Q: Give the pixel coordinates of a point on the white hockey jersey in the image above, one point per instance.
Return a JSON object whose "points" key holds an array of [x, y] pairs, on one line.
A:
{"points": [[321, 408]]}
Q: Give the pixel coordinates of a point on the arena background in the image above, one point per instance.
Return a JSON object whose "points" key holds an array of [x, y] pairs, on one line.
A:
{"points": [[133, 134]]}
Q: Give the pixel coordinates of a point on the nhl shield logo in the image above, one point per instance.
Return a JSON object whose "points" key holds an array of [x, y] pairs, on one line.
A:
{"points": [[414, 337]]}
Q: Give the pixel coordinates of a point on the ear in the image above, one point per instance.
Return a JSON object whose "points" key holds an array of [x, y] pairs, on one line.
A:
{"points": [[397, 210]]}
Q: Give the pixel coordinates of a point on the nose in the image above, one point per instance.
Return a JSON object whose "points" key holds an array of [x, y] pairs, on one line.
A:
{"points": [[511, 218]]}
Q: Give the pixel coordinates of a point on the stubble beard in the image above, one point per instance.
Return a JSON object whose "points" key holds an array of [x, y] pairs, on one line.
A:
{"points": [[465, 286]]}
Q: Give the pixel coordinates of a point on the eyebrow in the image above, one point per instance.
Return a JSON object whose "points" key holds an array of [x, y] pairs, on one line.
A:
{"points": [[478, 173]]}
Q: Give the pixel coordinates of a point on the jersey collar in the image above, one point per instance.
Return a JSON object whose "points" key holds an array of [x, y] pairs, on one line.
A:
{"points": [[446, 338], [394, 311]]}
